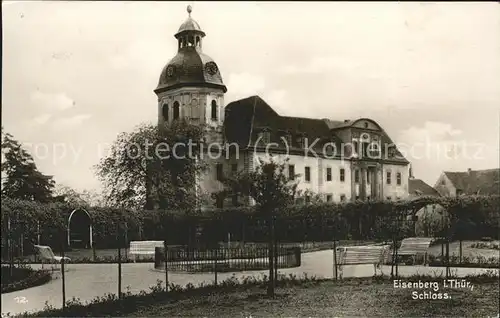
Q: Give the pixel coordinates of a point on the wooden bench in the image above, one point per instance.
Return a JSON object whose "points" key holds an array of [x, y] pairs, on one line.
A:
{"points": [[144, 248], [46, 254], [414, 246], [360, 255]]}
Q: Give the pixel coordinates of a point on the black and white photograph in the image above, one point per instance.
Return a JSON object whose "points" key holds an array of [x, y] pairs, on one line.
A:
{"points": [[250, 159]]}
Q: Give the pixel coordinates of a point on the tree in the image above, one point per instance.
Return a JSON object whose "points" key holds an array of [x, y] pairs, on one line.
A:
{"points": [[154, 167], [272, 190], [86, 198], [22, 179]]}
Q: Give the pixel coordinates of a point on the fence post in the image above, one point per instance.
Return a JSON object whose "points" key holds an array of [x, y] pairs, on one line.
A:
{"points": [[335, 273], [63, 243], [215, 267], [275, 236], [119, 263], [460, 252], [166, 262]]}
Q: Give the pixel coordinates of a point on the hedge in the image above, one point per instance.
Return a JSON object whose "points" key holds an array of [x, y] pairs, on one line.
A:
{"points": [[24, 277], [469, 217]]}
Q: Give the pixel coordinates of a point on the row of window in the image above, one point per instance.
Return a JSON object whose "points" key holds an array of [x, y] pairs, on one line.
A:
{"points": [[176, 111], [307, 174]]}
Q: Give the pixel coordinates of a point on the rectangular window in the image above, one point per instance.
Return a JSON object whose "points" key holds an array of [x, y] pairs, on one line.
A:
{"points": [[329, 198], [219, 171], [388, 177], [291, 172], [342, 197], [234, 168], [398, 178], [342, 175], [307, 174], [328, 174], [356, 176]]}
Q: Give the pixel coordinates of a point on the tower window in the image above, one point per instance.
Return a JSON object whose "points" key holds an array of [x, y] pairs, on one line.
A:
{"points": [[190, 40], [165, 112], [368, 176], [398, 178], [356, 176], [342, 175], [328, 174], [197, 41], [176, 110], [214, 110], [388, 177]]}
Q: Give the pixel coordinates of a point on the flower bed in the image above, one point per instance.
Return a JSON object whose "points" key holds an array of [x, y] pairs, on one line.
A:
{"points": [[23, 277]]}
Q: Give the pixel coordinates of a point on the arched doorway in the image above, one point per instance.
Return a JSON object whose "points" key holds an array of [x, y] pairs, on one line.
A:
{"points": [[80, 229]]}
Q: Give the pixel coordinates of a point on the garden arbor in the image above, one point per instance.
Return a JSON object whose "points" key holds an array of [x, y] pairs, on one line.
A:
{"points": [[80, 227]]}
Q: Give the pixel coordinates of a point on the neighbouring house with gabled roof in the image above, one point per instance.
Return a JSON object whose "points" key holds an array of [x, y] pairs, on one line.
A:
{"points": [[470, 182], [417, 187]]}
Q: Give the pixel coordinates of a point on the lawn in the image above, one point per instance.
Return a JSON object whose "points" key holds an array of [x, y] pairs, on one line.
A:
{"points": [[355, 298], [327, 299]]}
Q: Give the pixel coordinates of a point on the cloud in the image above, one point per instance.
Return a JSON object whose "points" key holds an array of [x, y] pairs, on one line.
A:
{"points": [[320, 64], [69, 122], [42, 119], [434, 131], [56, 102], [276, 98], [245, 84]]}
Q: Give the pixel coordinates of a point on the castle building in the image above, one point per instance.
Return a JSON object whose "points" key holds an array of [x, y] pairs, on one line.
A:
{"points": [[339, 160]]}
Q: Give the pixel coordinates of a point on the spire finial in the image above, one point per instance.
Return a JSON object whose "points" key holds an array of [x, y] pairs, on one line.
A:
{"points": [[189, 10]]}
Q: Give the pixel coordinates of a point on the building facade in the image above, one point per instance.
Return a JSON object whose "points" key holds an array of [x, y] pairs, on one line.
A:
{"points": [[338, 160]]}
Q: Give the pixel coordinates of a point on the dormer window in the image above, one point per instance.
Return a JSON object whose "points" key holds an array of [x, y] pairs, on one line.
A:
{"points": [[266, 136]]}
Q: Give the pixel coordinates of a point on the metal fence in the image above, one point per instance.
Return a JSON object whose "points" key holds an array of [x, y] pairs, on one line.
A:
{"points": [[224, 259]]}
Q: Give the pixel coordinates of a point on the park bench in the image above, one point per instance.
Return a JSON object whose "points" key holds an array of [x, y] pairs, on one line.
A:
{"points": [[46, 254], [144, 248], [360, 255], [414, 246]]}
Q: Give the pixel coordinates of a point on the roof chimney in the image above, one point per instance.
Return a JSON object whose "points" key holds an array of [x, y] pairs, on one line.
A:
{"points": [[469, 170], [346, 120]]}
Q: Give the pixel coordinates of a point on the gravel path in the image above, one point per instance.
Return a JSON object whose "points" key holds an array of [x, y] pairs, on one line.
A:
{"points": [[86, 281]]}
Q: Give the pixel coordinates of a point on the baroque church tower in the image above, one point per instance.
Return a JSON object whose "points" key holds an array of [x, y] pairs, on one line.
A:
{"points": [[191, 88], [190, 85]]}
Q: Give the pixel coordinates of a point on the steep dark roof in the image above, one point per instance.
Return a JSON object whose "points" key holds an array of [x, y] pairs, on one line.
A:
{"points": [[419, 187], [246, 118], [481, 182]]}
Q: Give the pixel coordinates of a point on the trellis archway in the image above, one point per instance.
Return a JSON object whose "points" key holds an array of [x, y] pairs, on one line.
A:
{"points": [[83, 220]]}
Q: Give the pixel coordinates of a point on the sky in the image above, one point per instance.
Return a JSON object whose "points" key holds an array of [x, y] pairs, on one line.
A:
{"points": [[76, 74]]}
